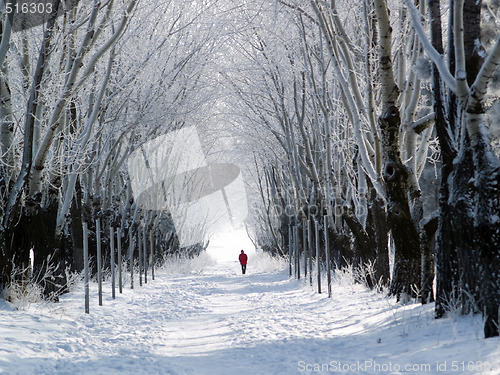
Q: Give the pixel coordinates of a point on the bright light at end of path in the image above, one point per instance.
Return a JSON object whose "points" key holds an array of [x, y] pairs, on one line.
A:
{"points": [[226, 246]]}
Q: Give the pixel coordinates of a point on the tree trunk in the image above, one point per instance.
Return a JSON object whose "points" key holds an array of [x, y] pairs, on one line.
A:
{"points": [[484, 252], [406, 272], [446, 251], [76, 225], [469, 234], [427, 235], [377, 229], [364, 244]]}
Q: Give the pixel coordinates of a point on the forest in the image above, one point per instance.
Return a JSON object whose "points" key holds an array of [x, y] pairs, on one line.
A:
{"points": [[367, 133]]}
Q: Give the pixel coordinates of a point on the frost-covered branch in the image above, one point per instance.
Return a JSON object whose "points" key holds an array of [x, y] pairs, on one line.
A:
{"points": [[434, 55], [6, 30], [484, 77], [460, 69], [418, 126]]}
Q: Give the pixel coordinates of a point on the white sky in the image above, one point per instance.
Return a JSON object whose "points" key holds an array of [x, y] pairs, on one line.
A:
{"points": [[226, 245]]}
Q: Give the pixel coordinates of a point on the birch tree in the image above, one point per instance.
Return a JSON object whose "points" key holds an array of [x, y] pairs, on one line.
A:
{"points": [[467, 260]]}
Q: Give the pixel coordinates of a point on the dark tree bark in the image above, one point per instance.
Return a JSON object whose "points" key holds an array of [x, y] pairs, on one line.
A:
{"points": [[377, 229], [406, 274], [427, 235], [363, 243], [483, 257], [76, 225], [446, 252], [485, 251], [468, 254]]}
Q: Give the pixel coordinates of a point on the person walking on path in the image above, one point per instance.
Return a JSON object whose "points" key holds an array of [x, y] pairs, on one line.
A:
{"points": [[243, 261]]}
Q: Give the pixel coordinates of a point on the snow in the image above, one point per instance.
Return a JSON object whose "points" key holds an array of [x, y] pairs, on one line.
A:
{"points": [[204, 317]]}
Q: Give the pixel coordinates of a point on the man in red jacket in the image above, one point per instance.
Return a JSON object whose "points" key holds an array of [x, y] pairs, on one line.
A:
{"points": [[243, 261]]}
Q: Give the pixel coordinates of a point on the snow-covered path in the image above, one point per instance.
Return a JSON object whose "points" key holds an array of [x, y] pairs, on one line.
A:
{"points": [[219, 322]]}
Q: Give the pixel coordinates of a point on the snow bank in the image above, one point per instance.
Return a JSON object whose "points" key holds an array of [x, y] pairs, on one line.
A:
{"points": [[261, 262], [178, 265]]}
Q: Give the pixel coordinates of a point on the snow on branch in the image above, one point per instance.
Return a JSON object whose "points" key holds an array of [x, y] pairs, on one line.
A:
{"points": [[301, 11], [434, 55], [116, 35], [349, 98], [422, 123], [5, 34], [460, 70], [490, 65]]}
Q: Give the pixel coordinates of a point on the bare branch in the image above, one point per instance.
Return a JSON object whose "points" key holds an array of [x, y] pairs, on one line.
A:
{"points": [[434, 55]]}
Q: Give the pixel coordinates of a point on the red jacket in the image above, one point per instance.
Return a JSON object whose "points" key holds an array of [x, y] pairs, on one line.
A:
{"points": [[243, 258]]}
